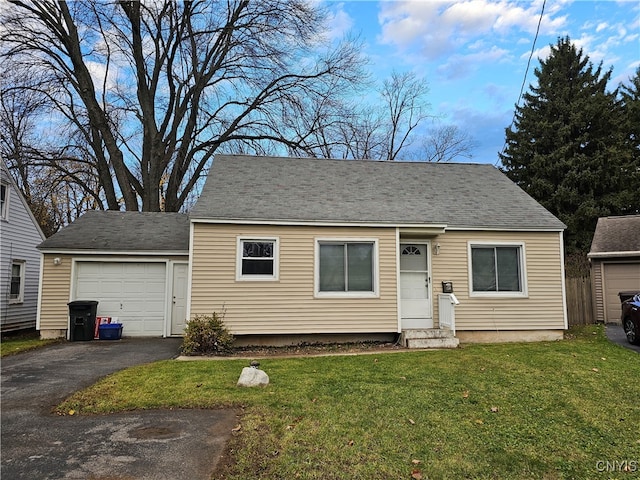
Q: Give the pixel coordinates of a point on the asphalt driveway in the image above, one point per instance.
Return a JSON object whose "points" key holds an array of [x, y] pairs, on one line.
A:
{"points": [[615, 333], [153, 445]]}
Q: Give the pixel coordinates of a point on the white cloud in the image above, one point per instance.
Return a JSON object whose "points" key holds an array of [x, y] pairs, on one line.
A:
{"points": [[460, 66], [440, 27], [340, 22]]}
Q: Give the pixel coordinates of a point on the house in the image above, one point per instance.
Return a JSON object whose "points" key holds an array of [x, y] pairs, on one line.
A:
{"points": [[134, 264], [298, 249], [615, 264], [19, 259]]}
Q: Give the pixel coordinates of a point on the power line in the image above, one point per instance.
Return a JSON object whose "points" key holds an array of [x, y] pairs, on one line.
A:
{"points": [[524, 80]]}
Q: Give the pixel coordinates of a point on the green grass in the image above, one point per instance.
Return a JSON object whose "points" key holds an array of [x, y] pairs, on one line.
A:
{"points": [[521, 411], [12, 344]]}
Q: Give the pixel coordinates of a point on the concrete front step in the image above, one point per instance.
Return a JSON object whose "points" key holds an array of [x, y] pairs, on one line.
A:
{"points": [[432, 342], [427, 333], [429, 338]]}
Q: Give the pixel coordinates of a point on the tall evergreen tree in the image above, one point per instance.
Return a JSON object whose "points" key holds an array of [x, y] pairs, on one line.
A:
{"points": [[564, 147], [629, 103]]}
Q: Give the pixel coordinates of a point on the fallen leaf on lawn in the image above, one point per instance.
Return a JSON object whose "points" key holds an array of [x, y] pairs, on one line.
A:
{"points": [[412, 421], [465, 394], [595, 370], [290, 427], [494, 409], [479, 422], [199, 385], [237, 428], [482, 369], [72, 412], [603, 358], [416, 462], [375, 360], [403, 378], [351, 442], [416, 474]]}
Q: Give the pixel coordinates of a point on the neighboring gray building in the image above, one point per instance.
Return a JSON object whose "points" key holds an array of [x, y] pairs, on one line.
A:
{"points": [[615, 264], [19, 259]]}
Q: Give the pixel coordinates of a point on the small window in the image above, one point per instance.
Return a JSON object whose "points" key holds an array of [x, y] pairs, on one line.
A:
{"points": [[347, 268], [16, 288], [497, 270], [257, 259], [4, 200]]}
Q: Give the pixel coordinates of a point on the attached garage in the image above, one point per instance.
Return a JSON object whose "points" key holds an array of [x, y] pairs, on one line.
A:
{"points": [[615, 264], [134, 264], [135, 292]]}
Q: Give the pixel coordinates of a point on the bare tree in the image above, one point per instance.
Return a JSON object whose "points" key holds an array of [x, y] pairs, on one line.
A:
{"points": [[444, 143], [57, 191], [394, 128], [149, 92]]}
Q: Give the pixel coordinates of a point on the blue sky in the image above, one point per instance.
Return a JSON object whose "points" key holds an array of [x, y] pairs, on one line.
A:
{"points": [[473, 53]]}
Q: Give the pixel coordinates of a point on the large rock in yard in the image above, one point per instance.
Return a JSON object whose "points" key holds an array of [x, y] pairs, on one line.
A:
{"points": [[253, 377]]}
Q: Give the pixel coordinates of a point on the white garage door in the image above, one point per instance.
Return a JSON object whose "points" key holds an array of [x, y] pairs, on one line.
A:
{"points": [[135, 292], [618, 277]]}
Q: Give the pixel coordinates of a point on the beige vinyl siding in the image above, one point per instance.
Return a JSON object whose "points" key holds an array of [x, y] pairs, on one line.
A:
{"points": [[55, 290], [57, 284], [541, 309], [598, 295], [288, 305]]}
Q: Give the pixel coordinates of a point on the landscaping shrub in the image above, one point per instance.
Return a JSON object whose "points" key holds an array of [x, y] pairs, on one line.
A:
{"points": [[207, 335]]}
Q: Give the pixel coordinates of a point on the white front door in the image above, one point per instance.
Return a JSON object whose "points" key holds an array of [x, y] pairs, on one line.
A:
{"points": [[179, 298], [415, 286]]}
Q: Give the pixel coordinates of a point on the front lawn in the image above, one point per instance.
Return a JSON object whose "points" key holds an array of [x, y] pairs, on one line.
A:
{"points": [[22, 342], [556, 410]]}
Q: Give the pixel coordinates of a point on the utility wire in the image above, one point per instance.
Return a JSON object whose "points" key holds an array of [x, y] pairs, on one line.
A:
{"points": [[524, 80]]}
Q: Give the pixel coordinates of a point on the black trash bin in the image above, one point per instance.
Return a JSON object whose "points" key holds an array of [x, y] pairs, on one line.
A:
{"points": [[82, 320], [624, 296]]}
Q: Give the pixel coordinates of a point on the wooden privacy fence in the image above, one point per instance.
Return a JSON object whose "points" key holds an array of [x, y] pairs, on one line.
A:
{"points": [[579, 304]]}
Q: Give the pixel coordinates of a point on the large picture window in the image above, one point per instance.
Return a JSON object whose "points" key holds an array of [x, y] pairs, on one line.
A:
{"points": [[257, 259], [346, 267], [497, 269]]}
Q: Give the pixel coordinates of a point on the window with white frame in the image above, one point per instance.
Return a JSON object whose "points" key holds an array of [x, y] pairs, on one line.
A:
{"points": [[497, 269], [16, 287], [257, 259], [346, 267], [4, 200]]}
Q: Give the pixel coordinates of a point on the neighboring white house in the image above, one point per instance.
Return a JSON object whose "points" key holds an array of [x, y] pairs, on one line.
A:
{"points": [[19, 258]]}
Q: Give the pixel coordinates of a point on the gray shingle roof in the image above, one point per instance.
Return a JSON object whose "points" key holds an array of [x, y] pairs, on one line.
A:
{"points": [[617, 234], [123, 232], [277, 189]]}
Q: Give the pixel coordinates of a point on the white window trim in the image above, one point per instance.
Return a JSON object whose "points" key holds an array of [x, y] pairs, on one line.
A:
{"points": [[4, 210], [276, 260], [376, 271], [523, 269], [23, 267]]}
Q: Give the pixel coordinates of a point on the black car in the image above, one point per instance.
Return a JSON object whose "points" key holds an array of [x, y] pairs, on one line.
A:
{"points": [[631, 319]]}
